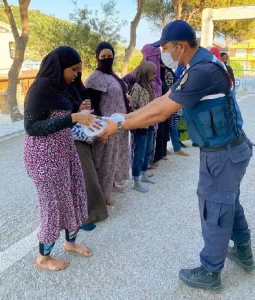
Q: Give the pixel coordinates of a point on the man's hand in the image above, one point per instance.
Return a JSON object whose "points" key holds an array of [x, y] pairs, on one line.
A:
{"points": [[111, 129], [87, 119], [85, 105]]}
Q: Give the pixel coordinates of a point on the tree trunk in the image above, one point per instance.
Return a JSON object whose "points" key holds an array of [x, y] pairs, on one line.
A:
{"points": [[162, 13], [132, 43], [178, 5], [13, 75], [20, 47]]}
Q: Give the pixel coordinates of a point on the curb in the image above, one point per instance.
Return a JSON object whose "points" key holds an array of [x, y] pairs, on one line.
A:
{"points": [[11, 135]]}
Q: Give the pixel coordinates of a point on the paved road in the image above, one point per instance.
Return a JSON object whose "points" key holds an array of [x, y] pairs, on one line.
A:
{"points": [[138, 251]]}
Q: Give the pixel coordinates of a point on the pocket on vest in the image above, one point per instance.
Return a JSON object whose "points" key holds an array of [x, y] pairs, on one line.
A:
{"points": [[219, 121], [206, 121]]}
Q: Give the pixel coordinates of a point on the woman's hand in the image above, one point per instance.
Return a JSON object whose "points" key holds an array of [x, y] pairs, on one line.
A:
{"points": [[85, 105], [104, 139], [87, 119]]}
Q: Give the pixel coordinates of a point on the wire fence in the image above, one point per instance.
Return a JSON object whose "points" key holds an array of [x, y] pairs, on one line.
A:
{"points": [[245, 81]]}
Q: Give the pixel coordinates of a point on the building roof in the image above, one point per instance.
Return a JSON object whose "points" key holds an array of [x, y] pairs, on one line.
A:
{"points": [[4, 27], [244, 45]]}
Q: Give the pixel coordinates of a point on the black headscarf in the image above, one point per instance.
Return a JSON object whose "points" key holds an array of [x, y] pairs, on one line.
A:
{"points": [[48, 91], [80, 87], [105, 66], [77, 92]]}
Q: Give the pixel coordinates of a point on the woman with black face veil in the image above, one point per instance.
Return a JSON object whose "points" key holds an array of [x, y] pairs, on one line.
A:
{"points": [[51, 158], [108, 96], [97, 210]]}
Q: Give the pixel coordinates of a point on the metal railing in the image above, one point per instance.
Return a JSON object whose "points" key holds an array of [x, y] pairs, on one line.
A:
{"points": [[245, 81]]}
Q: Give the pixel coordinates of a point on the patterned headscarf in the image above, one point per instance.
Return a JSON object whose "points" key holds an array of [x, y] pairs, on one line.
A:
{"points": [[143, 72]]}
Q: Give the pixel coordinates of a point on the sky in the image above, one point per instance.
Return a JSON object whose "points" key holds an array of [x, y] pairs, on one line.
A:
{"points": [[62, 8]]}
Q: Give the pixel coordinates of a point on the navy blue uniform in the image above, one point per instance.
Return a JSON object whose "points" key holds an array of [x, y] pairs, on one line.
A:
{"points": [[215, 123]]}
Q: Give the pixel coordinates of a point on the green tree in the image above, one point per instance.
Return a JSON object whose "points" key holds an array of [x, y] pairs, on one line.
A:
{"points": [[21, 39], [90, 30], [134, 61], [132, 42], [83, 32], [160, 12], [237, 68]]}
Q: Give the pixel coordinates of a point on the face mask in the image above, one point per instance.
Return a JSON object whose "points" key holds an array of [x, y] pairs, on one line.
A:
{"points": [[105, 64], [168, 60]]}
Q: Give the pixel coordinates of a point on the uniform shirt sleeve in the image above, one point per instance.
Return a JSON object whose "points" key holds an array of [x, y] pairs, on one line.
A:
{"points": [[37, 123], [203, 80]]}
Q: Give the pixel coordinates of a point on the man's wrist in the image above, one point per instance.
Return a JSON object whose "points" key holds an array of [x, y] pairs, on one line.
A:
{"points": [[120, 127], [123, 124]]}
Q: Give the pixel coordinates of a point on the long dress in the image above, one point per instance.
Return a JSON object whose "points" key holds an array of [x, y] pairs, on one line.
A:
{"points": [[97, 210], [52, 162], [111, 160]]}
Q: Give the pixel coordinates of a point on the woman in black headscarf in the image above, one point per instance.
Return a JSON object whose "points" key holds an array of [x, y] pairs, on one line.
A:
{"points": [[50, 156], [97, 210], [108, 96]]}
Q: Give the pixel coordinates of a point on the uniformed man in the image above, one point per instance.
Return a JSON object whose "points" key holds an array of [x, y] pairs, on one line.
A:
{"points": [[214, 120]]}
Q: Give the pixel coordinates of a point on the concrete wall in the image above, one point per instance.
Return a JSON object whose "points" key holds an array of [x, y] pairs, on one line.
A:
{"points": [[5, 59], [230, 13]]}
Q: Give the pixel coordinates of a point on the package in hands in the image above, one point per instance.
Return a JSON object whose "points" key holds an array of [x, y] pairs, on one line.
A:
{"points": [[81, 132]]}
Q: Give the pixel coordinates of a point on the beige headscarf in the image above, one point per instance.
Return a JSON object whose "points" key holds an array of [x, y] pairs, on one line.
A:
{"points": [[142, 74]]}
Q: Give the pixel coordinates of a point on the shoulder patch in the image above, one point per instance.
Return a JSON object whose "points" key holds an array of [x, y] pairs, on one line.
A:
{"points": [[183, 81]]}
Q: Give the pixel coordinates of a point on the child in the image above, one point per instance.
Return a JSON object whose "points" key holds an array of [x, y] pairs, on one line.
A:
{"points": [[142, 93]]}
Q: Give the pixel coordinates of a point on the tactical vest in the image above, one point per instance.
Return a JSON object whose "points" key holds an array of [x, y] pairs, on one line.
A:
{"points": [[216, 120]]}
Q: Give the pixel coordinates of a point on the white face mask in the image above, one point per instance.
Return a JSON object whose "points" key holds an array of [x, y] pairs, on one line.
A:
{"points": [[168, 60]]}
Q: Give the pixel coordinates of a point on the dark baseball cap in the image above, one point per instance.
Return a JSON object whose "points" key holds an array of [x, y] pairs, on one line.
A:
{"points": [[178, 30]]}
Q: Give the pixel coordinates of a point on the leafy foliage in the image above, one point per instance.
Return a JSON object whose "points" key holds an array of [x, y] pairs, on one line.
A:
{"points": [[83, 32], [159, 12]]}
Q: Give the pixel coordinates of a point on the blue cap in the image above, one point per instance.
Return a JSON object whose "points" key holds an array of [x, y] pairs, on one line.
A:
{"points": [[178, 30]]}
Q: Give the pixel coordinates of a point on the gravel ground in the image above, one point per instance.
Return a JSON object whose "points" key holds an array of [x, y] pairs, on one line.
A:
{"points": [[138, 251]]}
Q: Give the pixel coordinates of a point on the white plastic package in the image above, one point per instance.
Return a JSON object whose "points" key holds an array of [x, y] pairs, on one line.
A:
{"points": [[81, 132]]}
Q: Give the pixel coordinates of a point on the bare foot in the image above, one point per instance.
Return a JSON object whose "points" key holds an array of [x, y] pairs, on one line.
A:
{"points": [[110, 202], [76, 248], [165, 158], [118, 189], [155, 165], [50, 263], [149, 174], [181, 152], [168, 152], [151, 167]]}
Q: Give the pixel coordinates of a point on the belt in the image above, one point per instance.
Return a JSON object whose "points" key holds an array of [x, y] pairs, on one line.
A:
{"points": [[236, 142]]}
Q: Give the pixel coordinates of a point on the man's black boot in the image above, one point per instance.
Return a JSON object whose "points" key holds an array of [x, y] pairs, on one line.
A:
{"points": [[201, 279], [242, 255]]}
